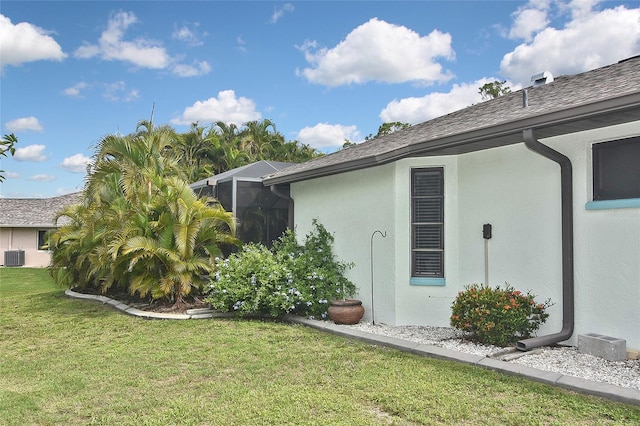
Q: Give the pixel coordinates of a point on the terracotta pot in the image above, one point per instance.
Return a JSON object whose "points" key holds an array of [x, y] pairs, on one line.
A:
{"points": [[347, 311]]}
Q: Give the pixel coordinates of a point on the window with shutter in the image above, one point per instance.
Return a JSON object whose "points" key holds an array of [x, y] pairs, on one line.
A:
{"points": [[427, 222]]}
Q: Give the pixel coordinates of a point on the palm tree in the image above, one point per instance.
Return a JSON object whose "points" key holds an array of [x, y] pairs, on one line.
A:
{"points": [[140, 225], [227, 132], [7, 144], [197, 152], [258, 140], [72, 246], [180, 247]]}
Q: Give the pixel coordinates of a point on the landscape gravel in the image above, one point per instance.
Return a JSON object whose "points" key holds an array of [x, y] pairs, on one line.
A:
{"points": [[559, 359]]}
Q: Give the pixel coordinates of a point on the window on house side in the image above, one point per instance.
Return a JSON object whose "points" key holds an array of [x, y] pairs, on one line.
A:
{"points": [[616, 169], [41, 240], [427, 222]]}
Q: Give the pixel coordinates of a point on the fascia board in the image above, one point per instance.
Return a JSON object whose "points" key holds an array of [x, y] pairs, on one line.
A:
{"points": [[515, 128]]}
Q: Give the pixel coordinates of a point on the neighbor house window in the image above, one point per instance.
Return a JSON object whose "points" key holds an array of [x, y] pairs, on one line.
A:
{"points": [[616, 169], [427, 223], [41, 240]]}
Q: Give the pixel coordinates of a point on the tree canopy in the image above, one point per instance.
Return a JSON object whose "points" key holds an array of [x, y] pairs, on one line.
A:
{"points": [[494, 89], [7, 144], [388, 128], [139, 225], [206, 151]]}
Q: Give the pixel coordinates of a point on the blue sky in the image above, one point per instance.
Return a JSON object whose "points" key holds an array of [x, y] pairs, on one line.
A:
{"points": [[322, 71]]}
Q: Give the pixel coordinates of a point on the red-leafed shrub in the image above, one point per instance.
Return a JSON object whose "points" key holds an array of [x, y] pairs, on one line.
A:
{"points": [[497, 316]]}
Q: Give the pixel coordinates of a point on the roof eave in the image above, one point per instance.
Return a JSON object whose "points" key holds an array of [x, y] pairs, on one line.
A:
{"points": [[473, 140], [30, 225]]}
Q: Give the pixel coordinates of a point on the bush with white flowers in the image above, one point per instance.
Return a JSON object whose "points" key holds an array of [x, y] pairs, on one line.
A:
{"points": [[290, 278]]}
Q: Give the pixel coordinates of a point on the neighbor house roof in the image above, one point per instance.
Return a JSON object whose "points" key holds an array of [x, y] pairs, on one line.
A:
{"points": [[598, 98], [34, 212]]}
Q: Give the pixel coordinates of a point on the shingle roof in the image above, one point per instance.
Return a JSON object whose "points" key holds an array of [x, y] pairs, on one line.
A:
{"points": [[34, 212], [601, 97]]}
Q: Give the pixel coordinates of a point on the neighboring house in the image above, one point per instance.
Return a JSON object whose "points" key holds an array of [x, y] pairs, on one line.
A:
{"points": [[262, 214], [572, 236], [23, 224]]}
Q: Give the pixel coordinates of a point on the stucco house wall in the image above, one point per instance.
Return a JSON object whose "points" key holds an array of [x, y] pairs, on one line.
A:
{"points": [[491, 177], [22, 219], [420, 304], [515, 190], [352, 207], [24, 239], [607, 246], [518, 193]]}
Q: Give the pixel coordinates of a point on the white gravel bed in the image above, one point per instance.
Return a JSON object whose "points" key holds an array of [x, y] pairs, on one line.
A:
{"points": [[559, 359]]}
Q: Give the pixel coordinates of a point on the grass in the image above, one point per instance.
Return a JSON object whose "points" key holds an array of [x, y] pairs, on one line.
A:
{"points": [[73, 362]]}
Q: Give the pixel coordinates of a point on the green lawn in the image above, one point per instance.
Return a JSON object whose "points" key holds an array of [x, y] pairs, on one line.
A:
{"points": [[73, 362]]}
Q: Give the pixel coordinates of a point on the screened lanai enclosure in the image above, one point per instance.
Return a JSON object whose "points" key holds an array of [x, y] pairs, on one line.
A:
{"points": [[263, 213]]}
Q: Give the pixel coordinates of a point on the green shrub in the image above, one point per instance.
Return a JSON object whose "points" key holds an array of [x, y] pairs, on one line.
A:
{"points": [[497, 316], [250, 282], [291, 278]]}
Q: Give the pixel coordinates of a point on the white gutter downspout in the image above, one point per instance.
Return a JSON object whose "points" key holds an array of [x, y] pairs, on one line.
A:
{"points": [[566, 186]]}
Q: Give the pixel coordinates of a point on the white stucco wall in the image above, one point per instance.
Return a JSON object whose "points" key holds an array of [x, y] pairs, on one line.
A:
{"points": [[518, 193], [607, 247], [420, 304], [515, 190], [352, 206]]}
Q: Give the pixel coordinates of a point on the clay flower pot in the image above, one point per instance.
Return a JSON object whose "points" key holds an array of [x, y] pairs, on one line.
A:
{"points": [[346, 311]]}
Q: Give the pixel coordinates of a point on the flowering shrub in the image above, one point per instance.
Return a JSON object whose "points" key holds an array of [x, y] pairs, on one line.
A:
{"points": [[497, 316], [291, 278]]}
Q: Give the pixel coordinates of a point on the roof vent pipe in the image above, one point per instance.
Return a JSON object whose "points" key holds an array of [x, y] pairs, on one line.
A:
{"points": [[566, 200], [525, 98], [542, 79]]}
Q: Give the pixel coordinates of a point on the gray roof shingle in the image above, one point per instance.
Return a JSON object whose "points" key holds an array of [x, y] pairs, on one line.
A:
{"points": [[601, 97], [34, 212]]}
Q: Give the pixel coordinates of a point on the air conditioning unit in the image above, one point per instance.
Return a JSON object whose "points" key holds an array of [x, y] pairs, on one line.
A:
{"points": [[14, 258]]}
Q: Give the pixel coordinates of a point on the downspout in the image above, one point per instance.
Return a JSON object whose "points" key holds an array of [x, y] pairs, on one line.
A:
{"points": [[566, 194], [290, 222]]}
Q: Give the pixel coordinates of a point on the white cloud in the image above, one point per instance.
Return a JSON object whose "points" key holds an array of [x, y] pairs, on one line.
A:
{"points": [[199, 68], [42, 178], [25, 42], [327, 137], [12, 175], [241, 44], [24, 124], [75, 90], [226, 108], [279, 12], [190, 36], [379, 51], [590, 39], [118, 92], [528, 21], [76, 163], [31, 153], [416, 110], [580, 8], [142, 52]]}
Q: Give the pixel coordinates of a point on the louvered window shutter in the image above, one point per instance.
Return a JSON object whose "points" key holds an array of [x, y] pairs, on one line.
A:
{"points": [[427, 223]]}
